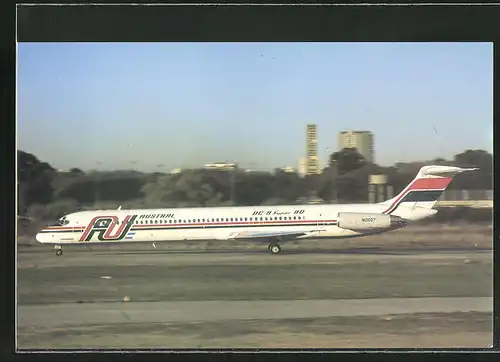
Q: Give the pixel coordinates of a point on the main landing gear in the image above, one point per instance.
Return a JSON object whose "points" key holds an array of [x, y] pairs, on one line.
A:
{"points": [[59, 250], [274, 248]]}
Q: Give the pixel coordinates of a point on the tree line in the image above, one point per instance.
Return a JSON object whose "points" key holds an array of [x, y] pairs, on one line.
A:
{"points": [[45, 193]]}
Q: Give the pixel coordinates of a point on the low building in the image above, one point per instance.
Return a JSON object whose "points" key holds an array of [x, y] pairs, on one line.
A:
{"points": [[288, 169], [220, 166]]}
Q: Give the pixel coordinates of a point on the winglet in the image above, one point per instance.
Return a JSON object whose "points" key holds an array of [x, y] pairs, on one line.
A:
{"points": [[119, 207]]}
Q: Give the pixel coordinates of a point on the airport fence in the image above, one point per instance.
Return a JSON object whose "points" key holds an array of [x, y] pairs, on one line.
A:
{"points": [[477, 199], [466, 195]]}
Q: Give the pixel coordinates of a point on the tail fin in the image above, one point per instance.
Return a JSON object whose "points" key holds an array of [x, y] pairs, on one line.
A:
{"points": [[423, 191]]}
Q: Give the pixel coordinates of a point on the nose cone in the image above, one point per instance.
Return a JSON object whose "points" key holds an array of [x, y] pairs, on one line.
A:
{"points": [[41, 237]]}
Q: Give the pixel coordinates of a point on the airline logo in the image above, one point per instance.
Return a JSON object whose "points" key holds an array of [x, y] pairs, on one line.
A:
{"points": [[108, 228]]}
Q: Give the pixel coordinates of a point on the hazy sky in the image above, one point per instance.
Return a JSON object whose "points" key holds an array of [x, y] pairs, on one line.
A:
{"points": [[138, 105]]}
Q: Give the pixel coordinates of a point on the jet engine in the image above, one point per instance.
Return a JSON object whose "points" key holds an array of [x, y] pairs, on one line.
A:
{"points": [[362, 221]]}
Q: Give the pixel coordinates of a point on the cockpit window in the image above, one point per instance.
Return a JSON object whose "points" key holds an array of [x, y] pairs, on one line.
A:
{"points": [[61, 222]]}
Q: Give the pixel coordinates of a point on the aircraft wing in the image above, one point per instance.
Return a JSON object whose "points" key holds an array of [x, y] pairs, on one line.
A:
{"points": [[259, 236]]}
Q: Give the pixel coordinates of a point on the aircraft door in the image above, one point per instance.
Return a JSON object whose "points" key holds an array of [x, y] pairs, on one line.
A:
{"points": [[76, 227]]}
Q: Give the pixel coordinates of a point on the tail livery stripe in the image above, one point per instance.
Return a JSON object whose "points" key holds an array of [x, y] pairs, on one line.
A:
{"points": [[431, 183], [430, 188], [422, 196], [416, 196]]}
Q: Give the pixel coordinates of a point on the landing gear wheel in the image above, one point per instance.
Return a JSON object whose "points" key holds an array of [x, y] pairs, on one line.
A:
{"points": [[59, 252], [274, 248]]}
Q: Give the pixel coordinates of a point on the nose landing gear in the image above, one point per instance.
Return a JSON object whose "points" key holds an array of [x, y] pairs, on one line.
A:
{"points": [[59, 250]]}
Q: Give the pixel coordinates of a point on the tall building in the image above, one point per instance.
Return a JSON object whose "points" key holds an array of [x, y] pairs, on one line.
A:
{"points": [[312, 166], [302, 166], [361, 140]]}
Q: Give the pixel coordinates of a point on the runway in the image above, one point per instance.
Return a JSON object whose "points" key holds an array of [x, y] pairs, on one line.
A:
{"points": [[53, 316], [368, 298]]}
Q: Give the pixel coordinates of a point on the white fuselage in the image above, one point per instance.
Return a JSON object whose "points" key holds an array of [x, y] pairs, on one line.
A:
{"points": [[210, 223]]}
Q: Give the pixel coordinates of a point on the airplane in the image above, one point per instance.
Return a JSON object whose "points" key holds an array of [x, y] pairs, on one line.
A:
{"points": [[270, 224]]}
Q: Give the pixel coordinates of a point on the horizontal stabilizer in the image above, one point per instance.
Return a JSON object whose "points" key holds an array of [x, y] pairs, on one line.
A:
{"points": [[436, 170]]}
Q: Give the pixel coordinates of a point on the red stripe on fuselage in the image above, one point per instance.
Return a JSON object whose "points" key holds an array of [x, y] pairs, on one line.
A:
{"points": [[264, 223], [59, 228]]}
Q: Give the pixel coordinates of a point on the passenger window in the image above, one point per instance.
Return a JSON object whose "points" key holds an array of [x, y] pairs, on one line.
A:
{"points": [[246, 219], [261, 218]]}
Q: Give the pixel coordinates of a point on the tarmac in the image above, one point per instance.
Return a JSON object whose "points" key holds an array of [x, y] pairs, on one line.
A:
{"points": [[140, 297]]}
